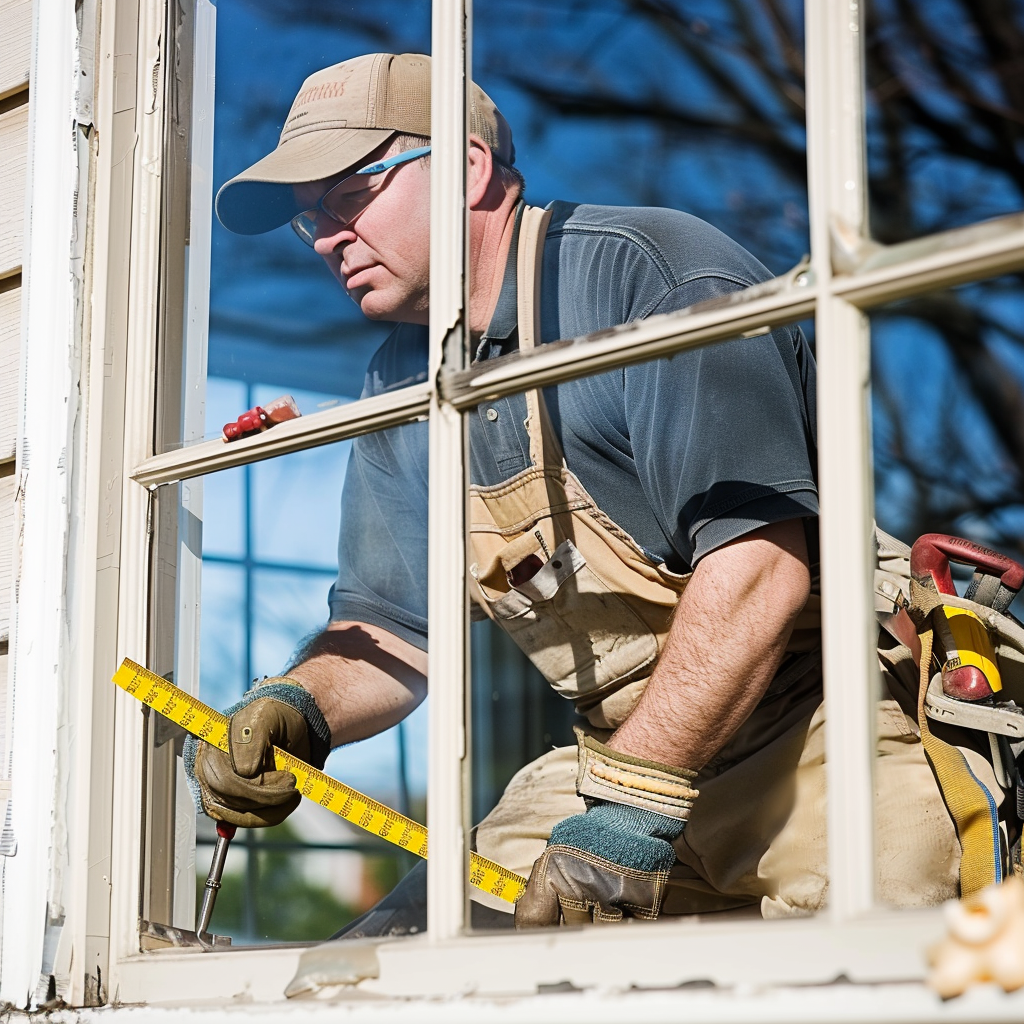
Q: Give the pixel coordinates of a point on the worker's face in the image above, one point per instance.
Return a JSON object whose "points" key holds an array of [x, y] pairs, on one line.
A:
{"points": [[382, 256]]}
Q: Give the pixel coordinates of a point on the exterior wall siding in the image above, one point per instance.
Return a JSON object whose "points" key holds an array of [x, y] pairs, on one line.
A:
{"points": [[13, 177], [15, 46], [10, 359], [15, 57]]}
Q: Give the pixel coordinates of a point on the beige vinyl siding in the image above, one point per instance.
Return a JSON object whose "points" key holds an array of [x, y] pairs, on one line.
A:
{"points": [[10, 356], [13, 163], [7, 486], [15, 45]]}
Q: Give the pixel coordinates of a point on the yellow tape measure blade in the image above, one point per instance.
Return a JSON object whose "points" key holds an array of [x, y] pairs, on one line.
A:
{"points": [[354, 807], [174, 703], [492, 878]]}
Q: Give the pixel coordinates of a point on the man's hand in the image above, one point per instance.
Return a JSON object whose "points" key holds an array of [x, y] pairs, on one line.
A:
{"points": [[612, 861], [353, 680], [242, 786]]}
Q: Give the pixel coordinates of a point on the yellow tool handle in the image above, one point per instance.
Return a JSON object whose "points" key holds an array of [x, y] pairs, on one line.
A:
{"points": [[202, 721]]}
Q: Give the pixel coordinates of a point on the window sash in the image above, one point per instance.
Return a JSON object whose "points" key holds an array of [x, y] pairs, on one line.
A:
{"points": [[865, 942], [941, 260]]}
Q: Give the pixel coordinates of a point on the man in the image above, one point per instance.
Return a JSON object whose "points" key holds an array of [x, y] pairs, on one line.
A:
{"points": [[645, 535]]}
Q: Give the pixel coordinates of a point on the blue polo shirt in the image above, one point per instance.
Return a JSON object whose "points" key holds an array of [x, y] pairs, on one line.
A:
{"points": [[685, 453]]}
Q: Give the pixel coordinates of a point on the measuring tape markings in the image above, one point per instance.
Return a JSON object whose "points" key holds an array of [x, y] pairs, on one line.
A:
{"points": [[354, 807]]}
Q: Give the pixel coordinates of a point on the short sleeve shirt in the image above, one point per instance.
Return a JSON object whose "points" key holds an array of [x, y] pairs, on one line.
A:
{"points": [[684, 453]]}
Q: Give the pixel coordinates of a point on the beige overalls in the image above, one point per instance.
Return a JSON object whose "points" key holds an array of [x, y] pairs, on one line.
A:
{"points": [[592, 611]]}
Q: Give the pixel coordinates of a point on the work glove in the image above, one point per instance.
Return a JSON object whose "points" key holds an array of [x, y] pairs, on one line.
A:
{"points": [[242, 786], [613, 860]]}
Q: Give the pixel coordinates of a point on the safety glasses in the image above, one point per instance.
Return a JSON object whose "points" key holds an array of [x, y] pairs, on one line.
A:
{"points": [[346, 200]]}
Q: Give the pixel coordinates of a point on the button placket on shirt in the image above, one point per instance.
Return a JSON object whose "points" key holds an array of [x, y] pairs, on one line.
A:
{"points": [[510, 446]]}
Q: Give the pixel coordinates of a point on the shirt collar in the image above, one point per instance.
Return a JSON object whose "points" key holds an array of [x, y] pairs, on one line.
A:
{"points": [[502, 334]]}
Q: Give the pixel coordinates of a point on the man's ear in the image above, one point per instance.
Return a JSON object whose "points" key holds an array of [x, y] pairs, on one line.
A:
{"points": [[480, 171]]}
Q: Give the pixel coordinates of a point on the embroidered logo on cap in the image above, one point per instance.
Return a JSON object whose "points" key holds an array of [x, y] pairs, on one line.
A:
{"points": [[331, 90]]}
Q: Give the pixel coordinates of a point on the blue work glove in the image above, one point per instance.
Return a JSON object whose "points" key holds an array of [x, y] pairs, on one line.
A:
{"points": [[243, 786], [613, 860]]}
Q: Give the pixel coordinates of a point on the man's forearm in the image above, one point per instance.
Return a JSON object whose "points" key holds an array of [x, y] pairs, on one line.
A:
{"points": [[725, 644], [364, 679]]}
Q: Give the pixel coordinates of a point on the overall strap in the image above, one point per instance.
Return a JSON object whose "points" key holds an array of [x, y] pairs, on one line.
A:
{"points": [[544, 447]]}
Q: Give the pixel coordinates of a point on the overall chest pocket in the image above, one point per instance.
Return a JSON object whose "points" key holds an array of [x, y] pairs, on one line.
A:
{"points": [[581, 635]]}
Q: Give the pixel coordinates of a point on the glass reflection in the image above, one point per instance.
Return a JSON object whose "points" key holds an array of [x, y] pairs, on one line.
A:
{"points": [[944, 114], [695, 107]]}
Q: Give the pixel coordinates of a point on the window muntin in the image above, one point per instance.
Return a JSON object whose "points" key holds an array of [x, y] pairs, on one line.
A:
{"points": [[820, 49]]}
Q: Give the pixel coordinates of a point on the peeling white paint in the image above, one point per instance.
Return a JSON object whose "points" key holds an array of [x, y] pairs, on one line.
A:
{"points": [[840, 1003], [48, 343]]}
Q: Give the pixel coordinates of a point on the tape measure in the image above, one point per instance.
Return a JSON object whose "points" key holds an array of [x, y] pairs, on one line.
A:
{"points": [[202, 721]]}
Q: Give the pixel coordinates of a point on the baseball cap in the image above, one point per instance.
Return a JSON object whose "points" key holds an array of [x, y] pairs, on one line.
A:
{"points": [[341, 115]]}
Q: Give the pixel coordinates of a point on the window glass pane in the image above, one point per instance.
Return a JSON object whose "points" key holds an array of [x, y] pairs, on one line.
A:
{"points": [[948, 382], [254, 304], [264, 548], [681, 133], [225, 492], [282, 886], [701, 464], [517, 716], [694, 107], [299, 541], [294, 493], [226, 631], [944, 122], [948, 373]]}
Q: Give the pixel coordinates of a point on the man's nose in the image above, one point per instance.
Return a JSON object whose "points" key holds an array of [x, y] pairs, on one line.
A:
{"points": [[330, 234]]}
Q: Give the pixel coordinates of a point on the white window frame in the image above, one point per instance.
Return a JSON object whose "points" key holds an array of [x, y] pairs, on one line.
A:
{"points": [[854, 937]]}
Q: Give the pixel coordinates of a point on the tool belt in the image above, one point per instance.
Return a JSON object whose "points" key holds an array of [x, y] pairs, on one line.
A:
{"points": [[967, 657]]}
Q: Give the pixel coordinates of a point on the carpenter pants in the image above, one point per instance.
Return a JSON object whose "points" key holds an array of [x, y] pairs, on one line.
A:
{"points": [[757, 834]]}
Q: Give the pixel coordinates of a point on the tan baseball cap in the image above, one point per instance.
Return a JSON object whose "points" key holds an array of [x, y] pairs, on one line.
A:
{"points": [[341, 115]]}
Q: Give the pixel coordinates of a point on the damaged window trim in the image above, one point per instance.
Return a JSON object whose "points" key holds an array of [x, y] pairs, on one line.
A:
{"points": [[884, 947]]}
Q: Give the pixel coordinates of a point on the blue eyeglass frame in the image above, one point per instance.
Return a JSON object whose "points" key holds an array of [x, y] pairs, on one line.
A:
{"points": [[375, 168]]}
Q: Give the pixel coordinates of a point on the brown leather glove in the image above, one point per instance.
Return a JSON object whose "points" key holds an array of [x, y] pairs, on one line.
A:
{"points": [[612, 861], [242, 786]]}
